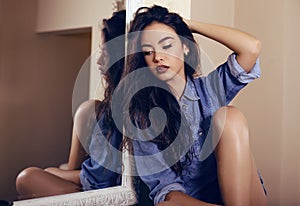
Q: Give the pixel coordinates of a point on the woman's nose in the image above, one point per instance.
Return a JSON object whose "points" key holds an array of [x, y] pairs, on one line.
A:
{"points": [[99, 60], [158, 56]]}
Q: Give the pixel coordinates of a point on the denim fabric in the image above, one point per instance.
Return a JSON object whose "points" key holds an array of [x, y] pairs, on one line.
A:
{"points": [[201, 98], [103, 168]]}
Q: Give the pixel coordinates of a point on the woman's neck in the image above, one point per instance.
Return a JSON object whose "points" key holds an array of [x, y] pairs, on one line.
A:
{"points": [[177, 86]]}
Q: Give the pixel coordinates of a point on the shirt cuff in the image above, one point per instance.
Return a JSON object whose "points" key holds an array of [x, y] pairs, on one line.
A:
{"points": [[238, 72], [161, 195]]}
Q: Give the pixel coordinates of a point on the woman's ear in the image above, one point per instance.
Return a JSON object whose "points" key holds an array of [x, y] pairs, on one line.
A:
{"points": [[186, 50]]}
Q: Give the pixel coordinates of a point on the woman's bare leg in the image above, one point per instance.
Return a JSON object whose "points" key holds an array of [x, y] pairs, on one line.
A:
{"points": [[69, 175], [237, 173], [35, 182]]}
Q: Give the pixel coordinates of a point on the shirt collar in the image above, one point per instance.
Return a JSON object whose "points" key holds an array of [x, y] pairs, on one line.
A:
{"points": [[190, 91]]}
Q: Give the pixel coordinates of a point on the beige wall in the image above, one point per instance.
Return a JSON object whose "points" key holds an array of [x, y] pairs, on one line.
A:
{"points": [[290, 162], [270, 103], [37, 74], [53, 15], [262, 101], [59, 15], [223, 14], [276, 129]]}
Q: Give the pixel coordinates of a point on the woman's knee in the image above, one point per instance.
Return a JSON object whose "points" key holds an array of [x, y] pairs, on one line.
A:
{"points": [[26, 176], [229, 122]]}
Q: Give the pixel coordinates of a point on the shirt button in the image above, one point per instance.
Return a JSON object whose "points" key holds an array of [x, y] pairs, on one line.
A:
{"points": [[200, 133], [184, 107]]}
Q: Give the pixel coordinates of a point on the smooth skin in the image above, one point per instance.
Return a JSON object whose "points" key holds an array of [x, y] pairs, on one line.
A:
{"points": [[238, 178]]}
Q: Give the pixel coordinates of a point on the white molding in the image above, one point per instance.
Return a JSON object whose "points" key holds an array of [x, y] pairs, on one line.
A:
{"points": [[113, 196]]}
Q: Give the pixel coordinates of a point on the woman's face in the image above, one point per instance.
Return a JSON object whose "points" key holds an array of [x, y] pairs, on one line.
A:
{"points": [[163, 51], [103, 59]]}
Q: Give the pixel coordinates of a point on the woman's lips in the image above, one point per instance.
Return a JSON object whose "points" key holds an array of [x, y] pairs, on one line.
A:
{"points": [[162, 68]]}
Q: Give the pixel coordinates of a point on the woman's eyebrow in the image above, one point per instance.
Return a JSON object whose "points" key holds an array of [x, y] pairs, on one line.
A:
{"points": [[164, 39], [146, 45], [159, 42]]}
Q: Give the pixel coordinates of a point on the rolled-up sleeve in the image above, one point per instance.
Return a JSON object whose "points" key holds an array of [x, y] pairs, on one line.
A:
{"points": [[238, 72], [155, 171], [224, 83], [161, 195]]}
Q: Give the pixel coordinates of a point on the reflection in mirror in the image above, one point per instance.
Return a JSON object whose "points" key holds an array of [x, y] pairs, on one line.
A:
{"points": [[118, 5], [85, 116], [84, 172]]}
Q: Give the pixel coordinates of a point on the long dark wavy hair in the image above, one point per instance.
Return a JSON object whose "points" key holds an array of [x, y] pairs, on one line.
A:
{"points": [[113, 30], [151, 97]]}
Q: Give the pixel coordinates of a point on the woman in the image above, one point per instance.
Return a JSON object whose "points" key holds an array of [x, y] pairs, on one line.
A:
{"points": [[202, 155], [92, 121]]}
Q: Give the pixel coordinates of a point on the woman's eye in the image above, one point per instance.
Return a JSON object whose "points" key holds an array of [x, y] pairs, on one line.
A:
{"points": [[147, 53], [168, 46]]}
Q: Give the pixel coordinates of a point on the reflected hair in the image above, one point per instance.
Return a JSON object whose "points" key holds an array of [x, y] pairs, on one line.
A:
{"points": [[113, 30]]}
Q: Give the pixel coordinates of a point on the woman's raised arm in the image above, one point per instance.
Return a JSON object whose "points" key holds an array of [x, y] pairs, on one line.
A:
{"points": [[246, 46]]}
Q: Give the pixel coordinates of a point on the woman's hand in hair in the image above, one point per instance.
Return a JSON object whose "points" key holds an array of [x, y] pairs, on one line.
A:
{"points": [[246, 46], [189, 23]]}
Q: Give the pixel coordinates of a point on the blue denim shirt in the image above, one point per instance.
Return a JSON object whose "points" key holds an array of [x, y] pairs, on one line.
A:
{"points": [[103, 168], [201, 98]]}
